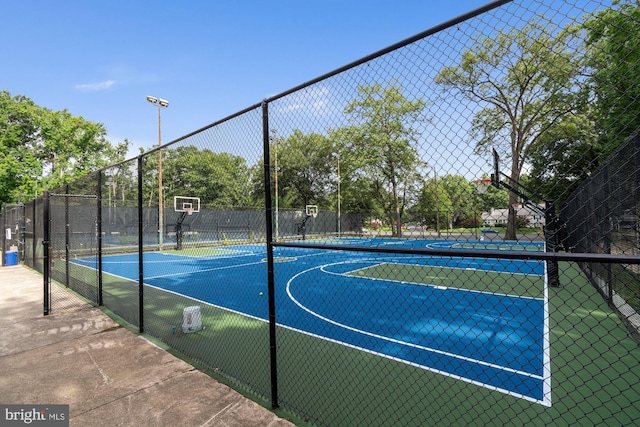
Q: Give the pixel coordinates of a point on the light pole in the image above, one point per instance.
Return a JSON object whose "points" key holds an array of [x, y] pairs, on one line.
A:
{"points": [[435, 178], [36, 178], [161, 103], [338, 155], [274, 138], [109, 184]]}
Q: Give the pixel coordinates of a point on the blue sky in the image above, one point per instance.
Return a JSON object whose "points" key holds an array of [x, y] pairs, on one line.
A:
{"points": [[209, 59]]}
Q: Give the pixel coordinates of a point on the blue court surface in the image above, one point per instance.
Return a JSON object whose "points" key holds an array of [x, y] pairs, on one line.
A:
{"points": [[494, 340]]}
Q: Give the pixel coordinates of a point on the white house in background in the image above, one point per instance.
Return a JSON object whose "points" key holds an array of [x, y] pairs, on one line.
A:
{"points": [[534, 218], [495, 217]]}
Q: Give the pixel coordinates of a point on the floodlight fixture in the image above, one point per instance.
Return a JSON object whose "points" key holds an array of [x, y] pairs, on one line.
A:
{"points": [[158, 101]]}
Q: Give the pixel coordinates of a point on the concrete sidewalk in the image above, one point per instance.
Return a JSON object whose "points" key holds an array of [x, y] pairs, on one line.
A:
{"points": [[107, 375]]}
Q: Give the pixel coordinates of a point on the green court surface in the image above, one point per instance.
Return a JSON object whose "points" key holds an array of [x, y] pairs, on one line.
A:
{"points": [[200, 252], [531, 286], [502, 246]]}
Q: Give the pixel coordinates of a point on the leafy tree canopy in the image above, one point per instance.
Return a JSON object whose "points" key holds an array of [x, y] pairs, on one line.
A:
{"points": [[44, 148], [613, 54], [524, 82], [381, 145]]}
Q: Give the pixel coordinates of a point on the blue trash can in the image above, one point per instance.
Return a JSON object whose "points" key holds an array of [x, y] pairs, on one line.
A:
{"points": [[11, 258]]}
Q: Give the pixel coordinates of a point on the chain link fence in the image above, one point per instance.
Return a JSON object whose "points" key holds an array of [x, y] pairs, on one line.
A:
{"points": [[602, 217], [380, 246]]}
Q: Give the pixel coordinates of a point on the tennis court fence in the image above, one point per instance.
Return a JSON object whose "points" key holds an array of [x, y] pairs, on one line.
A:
{"points": [[339, 250]]}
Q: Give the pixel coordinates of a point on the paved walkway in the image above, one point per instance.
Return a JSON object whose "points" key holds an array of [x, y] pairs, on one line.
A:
{"points": [[108, 375]]}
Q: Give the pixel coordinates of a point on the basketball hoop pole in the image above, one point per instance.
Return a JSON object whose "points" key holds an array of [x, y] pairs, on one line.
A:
{"points": [[311, 211], [498, 183], [548, 211], [179, 233], [186, 206]]}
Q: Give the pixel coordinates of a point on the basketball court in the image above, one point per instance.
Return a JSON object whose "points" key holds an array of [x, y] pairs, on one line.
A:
{"points": [[479, 320]]}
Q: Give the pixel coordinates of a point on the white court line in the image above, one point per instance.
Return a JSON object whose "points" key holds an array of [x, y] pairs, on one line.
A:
{"points": [[173, 261], [322, 268], [225, 267], [453, 355], [348, 274]]}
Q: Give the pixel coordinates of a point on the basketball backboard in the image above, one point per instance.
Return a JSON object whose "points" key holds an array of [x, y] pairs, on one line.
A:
{"points": [[495, 176], [185, 204], [312, 210]]}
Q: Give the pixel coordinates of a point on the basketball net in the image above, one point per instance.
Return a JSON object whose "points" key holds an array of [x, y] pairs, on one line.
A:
{"points": [[482, 185]]}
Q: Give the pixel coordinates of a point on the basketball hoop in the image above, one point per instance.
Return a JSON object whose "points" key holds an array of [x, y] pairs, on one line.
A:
{"points": [[186, 204], [312, 210], [482, 185]]}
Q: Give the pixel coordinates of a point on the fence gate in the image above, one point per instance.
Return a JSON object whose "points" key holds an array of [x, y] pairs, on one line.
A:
{"points": [[71, 244], [12, 233]]}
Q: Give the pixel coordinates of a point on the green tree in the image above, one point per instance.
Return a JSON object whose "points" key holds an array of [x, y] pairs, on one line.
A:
{"points": [[47, 148], [357, 195], [606, 115], [121, 184], [306, 170], [71, 147], [256, 184], [358, 190], [570, 150], [524, 80], [434, 206], [564, 156], [218, 179], [613, 55], [381, 145], [19, 127], [462, 197]]}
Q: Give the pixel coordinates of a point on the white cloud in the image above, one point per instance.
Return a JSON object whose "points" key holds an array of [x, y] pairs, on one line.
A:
{"points": [[312, 100], [93, 87]]}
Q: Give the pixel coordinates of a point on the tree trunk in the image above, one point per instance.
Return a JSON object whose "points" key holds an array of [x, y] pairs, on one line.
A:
{"points": [[516, 149], [398, 221], [513, 200], [511, 223]]}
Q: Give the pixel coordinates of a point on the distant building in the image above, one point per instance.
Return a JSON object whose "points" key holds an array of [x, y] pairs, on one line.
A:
{"points": [[499, 217], [495, 217]]}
